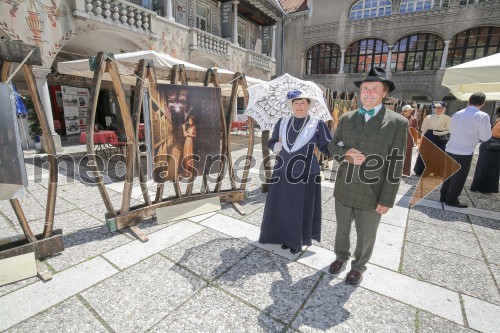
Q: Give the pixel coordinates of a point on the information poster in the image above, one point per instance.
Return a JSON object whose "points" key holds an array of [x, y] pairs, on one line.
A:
{"points": [[75, 101], [12, 169]]}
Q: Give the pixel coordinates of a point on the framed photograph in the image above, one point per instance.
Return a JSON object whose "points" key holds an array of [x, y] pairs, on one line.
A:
{"points": [[190, 125]]}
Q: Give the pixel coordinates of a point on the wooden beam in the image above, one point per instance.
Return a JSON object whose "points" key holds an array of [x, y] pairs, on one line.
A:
{"points": [[136, 117], [91, 111], [43, 246], [50, 148], [129, 132], [141, 213], [16, 205], [5, 70]]}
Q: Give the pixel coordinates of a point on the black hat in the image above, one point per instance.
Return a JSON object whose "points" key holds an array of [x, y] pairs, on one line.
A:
{"points": [[377, 74]]}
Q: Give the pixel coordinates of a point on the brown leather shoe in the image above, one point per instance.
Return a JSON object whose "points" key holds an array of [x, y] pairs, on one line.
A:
{"points": [[353, 277], [336, 267]]}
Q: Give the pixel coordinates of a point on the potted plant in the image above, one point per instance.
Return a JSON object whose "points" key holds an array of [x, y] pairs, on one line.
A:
{"points": [[35, 130]]}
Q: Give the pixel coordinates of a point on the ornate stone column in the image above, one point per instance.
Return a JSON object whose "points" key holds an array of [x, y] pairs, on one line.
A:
{"points": [[445, 54], [273, 47], [342, 61], [169, 10], [235, 22], [42, 86], [389, 58]]}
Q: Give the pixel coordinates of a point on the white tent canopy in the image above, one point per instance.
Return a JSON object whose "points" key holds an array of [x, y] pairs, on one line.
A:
{"points": [[127, 63], [478, 75]]}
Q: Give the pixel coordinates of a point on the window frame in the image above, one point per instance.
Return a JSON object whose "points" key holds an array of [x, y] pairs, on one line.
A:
{"points": [[367, 48], [423, 43], [360, 10], [325, 56], [200, 18], [457, 54]]}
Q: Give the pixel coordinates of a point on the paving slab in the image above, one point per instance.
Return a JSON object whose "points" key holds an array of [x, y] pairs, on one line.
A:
{"points": [[485, 226], [446, 239], [246, 232], [328, 210], [85, 244], [135, 251], [212, 310], [271, 283], [317, 257], [463, 274], [482, 316], [429, 323], [8, 288], [422, 295], [440, 217], [201, 217], [14, 308], [337, 307], [137, 298], [68, 316], [328, 231], [398, 214], [387, 250], [69, 222], [496, 272], [208, 253], [254, 217], [490, 248]]}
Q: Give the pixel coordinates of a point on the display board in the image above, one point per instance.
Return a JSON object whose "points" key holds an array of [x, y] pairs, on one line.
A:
{"points": [[185, 131], [75, 101], [12, 169]]}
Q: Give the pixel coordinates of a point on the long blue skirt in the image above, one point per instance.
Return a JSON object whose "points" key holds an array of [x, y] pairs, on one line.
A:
{"points": [[292, 215]]}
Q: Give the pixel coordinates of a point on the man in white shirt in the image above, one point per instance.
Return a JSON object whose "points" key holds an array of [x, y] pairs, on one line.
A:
{"points": [[468, 127]]}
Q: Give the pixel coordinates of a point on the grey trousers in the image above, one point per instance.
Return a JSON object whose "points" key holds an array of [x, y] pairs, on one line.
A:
{"points": [[366, 222]]}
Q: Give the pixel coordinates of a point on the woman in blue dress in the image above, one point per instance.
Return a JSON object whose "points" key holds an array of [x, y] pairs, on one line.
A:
{"points": [[292, 214]]}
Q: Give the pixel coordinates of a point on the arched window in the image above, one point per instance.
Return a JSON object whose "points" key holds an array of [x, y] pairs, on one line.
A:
{"points": [[323, 59], [409, 6], [370, 8], [473, 44], [362, 55], [469, 2], [417, 52]]}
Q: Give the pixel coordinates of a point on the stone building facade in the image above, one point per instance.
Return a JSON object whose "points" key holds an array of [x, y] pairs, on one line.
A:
{"points": [[348, 28]]}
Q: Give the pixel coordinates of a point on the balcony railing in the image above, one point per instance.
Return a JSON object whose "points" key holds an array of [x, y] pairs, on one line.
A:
{"points": [[258, 60], [122, 12], [209, 43]]}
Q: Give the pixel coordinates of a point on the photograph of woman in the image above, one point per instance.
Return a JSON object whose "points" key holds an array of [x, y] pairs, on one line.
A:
{"points": [[292, 214], [189, 133]]}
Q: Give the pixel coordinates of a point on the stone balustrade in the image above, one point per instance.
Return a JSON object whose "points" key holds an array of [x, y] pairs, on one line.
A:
{"points": [[120, 11], [258, 60], [209, 43]]}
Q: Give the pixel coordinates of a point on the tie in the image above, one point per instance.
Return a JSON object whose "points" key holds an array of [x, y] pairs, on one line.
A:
{"points": [[363, 111]]}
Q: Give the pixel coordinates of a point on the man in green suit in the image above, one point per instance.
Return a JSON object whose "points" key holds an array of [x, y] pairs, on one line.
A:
{"points": [[370, 144]]}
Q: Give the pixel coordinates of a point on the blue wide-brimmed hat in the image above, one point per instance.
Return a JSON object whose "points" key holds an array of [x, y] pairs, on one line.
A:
{"points": [[298, 94]]}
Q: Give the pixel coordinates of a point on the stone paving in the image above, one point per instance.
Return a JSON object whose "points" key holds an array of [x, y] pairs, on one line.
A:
{"points": [[433, 270]]}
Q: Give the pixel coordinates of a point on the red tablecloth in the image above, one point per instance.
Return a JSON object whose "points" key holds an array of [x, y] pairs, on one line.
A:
{"points": [[241, 125], [141, 131], [100, 137]]}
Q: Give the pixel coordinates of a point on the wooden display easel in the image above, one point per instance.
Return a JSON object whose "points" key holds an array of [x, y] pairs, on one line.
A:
{"points": [[50, 241], [128, 216]]}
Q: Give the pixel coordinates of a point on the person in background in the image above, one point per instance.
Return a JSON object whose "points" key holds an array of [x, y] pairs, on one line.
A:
{"points": [[292, 214], [467, 128], [434, 127], [487, 174], [407, 111], [369, 144]]}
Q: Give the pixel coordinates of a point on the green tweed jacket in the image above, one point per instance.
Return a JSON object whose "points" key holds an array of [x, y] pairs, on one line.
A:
{"points": [[376, 181]]}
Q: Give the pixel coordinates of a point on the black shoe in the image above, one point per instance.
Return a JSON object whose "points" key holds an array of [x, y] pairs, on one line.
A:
{"points": [[292, 251], [284, 247], [457, 204]]}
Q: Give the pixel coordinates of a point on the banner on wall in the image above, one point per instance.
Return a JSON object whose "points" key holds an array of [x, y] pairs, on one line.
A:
{"points": [[267, 39], [227, 11], [185, 130], [75, 101], [12, 169]]}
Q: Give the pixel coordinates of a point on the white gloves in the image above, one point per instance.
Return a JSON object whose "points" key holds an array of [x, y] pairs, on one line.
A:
{"points": [[277, 147]]}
